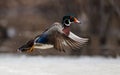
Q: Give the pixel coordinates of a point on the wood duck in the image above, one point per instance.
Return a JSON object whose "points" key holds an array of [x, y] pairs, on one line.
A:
{"points": [[57, 36]]}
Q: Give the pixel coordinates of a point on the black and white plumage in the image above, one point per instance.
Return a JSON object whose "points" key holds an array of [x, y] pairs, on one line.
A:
{"points": [[58, 36]]}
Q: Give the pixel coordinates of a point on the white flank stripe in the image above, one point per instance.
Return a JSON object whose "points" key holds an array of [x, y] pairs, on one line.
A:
{"points": [[43, 46]]}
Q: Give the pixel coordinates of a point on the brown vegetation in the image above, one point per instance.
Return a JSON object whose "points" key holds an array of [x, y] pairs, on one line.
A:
{"points": [[24, 19]]}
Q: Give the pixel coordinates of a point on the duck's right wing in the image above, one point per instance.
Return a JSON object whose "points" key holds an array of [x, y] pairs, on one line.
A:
{"points": [[62, 42]]}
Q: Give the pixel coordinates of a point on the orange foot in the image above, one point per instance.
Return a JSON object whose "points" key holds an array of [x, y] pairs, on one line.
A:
{"points": [[31, 49]]}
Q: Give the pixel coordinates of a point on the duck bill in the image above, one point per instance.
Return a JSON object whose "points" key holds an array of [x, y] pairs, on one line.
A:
{"points": [[76, 20]]}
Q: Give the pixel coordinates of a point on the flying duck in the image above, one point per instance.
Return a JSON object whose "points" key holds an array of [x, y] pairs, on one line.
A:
{"points": [[57, 36]]}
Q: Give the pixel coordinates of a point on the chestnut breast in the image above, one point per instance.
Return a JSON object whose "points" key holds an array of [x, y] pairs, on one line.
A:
{"points": [[66, 30]]}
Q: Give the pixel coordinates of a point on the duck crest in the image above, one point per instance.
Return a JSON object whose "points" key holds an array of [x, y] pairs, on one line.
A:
{"points": [[66, 30]]}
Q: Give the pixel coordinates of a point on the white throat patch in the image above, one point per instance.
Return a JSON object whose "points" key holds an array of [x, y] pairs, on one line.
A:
{"points": [[68, 23]]}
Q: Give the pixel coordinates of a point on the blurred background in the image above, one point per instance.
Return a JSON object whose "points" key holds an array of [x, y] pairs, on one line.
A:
{"points": [[22, 20]]}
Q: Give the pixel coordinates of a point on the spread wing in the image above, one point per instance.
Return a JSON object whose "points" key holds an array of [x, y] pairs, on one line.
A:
{"points": [[62, 42]]}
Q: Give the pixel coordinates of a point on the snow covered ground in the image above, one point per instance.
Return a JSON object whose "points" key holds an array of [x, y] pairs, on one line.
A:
{"points": [[38, 65]]}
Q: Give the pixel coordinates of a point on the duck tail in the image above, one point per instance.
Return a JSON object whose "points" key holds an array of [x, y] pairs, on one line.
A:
{"points": [[27, 47]]}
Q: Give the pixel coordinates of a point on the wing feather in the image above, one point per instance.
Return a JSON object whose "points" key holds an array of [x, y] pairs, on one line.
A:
{"points": [[77, 38]]}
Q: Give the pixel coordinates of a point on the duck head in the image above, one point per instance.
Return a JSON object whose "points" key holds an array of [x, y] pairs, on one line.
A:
{"points": [[66, 22]]}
